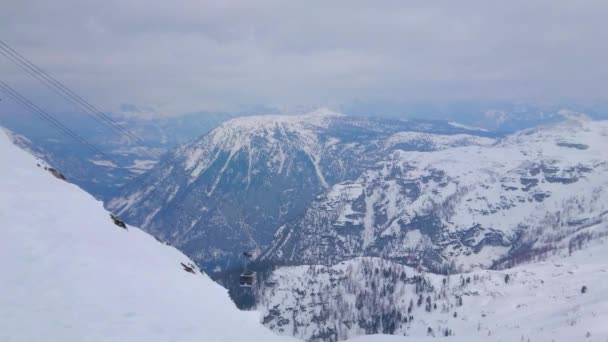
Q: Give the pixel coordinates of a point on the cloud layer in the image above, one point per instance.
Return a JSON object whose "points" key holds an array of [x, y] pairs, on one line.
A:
{"points": [[190, 55]]}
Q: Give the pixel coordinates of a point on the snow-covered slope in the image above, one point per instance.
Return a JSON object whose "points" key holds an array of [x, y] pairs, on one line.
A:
{"points": [[70, 274], [543, 301], [463, 203], [231, 189]]}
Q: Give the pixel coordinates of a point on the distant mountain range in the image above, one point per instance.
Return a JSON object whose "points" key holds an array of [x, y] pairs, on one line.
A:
{"points": [[163, 133]]}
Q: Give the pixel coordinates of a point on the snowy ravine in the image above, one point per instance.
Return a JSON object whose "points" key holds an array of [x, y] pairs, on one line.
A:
{"points": [[70, 274], [543, 301]]}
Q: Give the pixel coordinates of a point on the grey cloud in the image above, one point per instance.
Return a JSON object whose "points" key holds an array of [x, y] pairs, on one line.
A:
{"points": [[189, 55]]}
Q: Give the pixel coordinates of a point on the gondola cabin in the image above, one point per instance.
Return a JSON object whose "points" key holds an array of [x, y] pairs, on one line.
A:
{"points": [[247, 279]]}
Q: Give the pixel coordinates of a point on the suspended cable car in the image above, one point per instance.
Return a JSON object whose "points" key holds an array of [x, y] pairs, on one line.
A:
{"points": [[247, 278]]}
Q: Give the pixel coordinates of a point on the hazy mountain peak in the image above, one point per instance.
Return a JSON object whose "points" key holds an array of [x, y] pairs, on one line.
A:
{"points": [[319, 117], [324, 111], [573, 115]]}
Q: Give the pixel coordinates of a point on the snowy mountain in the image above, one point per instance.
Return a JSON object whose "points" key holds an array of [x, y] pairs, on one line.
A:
{"points": [[70, 274], [561, 299], [465, 202], [231, 189]]}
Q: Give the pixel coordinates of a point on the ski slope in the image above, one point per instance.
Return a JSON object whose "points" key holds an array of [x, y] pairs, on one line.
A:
{"points": [[70, 274]]}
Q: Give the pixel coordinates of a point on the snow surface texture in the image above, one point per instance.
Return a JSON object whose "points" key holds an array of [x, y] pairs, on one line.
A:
{"points": [[70, 274], [467, 202], [534, 302]]}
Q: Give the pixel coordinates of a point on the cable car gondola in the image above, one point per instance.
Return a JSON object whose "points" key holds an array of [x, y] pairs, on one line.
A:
{"points": [[247, 278]]}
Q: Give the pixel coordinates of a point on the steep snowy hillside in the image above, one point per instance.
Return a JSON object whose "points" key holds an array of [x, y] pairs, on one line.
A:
{"points": [[231, 189], [457, 206], [561, 299], [70, 274]]}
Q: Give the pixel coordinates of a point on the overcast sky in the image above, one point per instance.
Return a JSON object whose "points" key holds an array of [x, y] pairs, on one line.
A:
{"points": [[193, 55]]}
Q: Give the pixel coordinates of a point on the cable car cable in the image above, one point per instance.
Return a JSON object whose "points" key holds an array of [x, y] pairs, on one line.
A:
{"points": [[38, 73], [65, 92], [20, 99]]}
